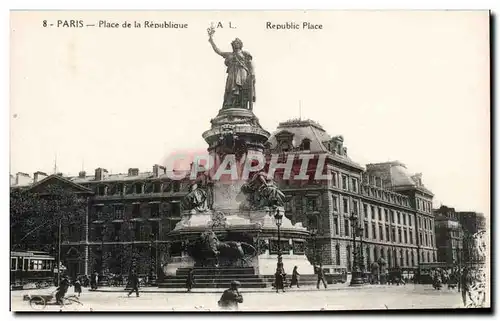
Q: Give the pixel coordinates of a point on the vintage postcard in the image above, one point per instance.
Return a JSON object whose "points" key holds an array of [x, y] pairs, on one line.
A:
{"points": [[249, 160]]}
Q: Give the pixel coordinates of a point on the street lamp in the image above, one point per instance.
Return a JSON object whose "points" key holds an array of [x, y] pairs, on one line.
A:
{"points": [[357, 278], [279, 219], [151, 260], [314, 232]]}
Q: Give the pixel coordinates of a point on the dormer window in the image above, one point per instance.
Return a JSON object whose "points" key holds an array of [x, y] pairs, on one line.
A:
{"points": [[285, 147], [306, 144]]}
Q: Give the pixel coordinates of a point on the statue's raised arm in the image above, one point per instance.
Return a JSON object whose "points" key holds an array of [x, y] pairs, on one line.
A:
{"points": [[211, 32], [240, 83]]}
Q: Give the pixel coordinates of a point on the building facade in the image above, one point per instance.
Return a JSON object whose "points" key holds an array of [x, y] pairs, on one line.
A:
{"points": [[127, 217], [449, 235], [393, 207]]}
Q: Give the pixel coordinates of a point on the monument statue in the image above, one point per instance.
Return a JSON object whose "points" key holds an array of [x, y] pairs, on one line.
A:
{"points": [[200, 196], [208, 251], [260, 191], [240, 82]]}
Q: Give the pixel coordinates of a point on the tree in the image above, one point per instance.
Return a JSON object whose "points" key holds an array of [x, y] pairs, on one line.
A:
{"points": [[35, 217]]}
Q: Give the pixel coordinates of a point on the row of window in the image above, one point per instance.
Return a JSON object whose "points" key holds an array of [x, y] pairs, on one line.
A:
{"points": [[345, 183], [425, 223], [393, 257], [136, 188], [20, 264], [136, 210], [424, 205], [385, 195], [374, 212], [137, 231]]}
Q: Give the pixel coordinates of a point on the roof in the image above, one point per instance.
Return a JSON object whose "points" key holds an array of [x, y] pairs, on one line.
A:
{"points": [[395, 175], [314, 132]]}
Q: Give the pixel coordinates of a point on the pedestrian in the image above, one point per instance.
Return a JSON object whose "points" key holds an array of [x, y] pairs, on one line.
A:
{"points": [[62, 290], [190, 281], [231, 297], [77, 286], [321, 276], [295, 278], [134, 284], [94, 279], [279, 279]]}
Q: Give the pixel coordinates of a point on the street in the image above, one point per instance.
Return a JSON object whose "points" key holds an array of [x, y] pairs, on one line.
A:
{"points": [[339, 297]]}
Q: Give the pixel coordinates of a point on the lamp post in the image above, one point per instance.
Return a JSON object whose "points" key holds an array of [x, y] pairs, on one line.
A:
{"points": [[278, 218], [357, 277], [313, 236], [151, 260]]}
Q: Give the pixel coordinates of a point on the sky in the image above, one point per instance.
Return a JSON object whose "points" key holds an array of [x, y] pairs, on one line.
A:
{"points": [[407, 86]]}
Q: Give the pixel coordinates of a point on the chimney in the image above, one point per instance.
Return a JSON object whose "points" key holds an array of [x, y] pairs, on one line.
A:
{"points": [[22, 178], [82, 174], [159, 170], [38, 176], [100, 174], [133, 172]]}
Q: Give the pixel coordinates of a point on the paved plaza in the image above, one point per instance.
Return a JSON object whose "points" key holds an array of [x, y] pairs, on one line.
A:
{"points": [[339, 297]]}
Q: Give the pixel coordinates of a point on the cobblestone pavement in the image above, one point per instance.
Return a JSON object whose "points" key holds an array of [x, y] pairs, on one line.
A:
{"points": [[375, 297]]}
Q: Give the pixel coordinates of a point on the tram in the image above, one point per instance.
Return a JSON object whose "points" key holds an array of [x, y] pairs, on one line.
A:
{"points": [[31, 267]]}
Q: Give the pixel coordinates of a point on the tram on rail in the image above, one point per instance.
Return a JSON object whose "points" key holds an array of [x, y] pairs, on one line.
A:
{"points": [[31, 267]]}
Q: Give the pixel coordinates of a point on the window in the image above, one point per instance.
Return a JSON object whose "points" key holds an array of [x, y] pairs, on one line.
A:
{"points": [[312, 205], [398, 217], [119, 189], [13, 263], [337, 254], [138, 188], [101, 190], [335, 204], [157, 187], [381, 232], [355, 207], [344, 182], [400, 238], [155, 210], [401, 258], [306, 144], [379, 214], [336, 225], [346, 227], [432, 243], [407, 257], [392, 216], [365, 211], [404, 219], [366, 230], [98, 212], [419, 222], [374, 231], [373, 208], [421, 238], [426, 240], [137, 232], [345, 205], [136, 210], [20, 264], [118, 212], [117, 227], [155, 229], [335, 179], [386, 214], [393, 235], [176, 209], [405, 233], [387, 236], [98, 232], [354, 183]]}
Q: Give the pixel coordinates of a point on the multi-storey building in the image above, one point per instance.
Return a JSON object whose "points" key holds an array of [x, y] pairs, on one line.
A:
{"points": [[394, 207], [127, 217], [449, 235]]}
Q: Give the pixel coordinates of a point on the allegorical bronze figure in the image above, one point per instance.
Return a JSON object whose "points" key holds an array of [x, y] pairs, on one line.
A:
{"points": [[240, 82]]}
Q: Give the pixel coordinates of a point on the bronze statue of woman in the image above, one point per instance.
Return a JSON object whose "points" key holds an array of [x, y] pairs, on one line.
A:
{"points": [[240, 82]]}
